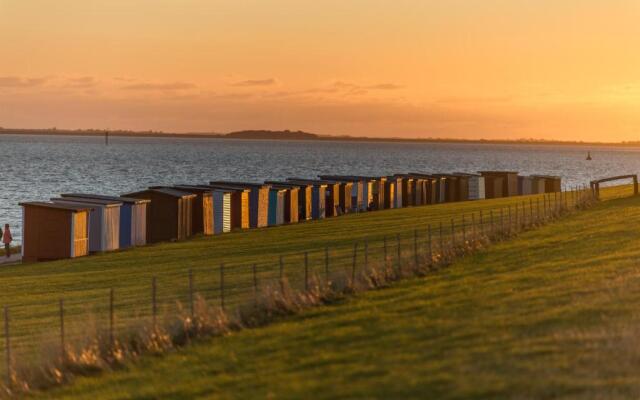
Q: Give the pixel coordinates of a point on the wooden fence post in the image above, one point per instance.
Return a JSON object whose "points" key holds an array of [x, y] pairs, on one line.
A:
{"points": [[191, 306], [399, 255], [530, 212], [366, 255], [306, 271], [62, 343], [501, 221], [154, 305], [464, 231], [453, 235], [384, 247], [492, 227], [430, 245], [111, 318], [481, 224], [415, 248], [353, 265], [254, 269], [281, 273], [517, 221], [473, 228], [326, 264], [7, 346], [222, 286], [509, 219], [441, 242]]}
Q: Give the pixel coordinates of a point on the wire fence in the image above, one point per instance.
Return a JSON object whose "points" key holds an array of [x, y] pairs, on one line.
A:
{"points": [[40, 331]]}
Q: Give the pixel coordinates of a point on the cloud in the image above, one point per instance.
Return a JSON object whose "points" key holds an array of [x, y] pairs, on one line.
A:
{"points": [[256, 82], [160, 86], [384, 86], [18, 82], [81, 83]]}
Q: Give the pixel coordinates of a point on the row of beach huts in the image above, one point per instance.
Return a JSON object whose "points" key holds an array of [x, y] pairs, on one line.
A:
{"points": [[77, 224]]}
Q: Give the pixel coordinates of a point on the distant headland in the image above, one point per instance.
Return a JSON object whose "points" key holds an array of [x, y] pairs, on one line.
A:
{"points": [[288, 135]]}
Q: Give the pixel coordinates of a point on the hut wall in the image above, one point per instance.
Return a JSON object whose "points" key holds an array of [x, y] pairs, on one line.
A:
{"points": [[111, 229], [291, 205], [274, 205], [80, 230], [389, 193], [476, 188], [525, 185], [139, 224], [398, 200], [207, 213], [126, 225], [511, 188], [346, 200], [305, 203], [280, 211], [52, 234], [463, 187], [221, 212]]}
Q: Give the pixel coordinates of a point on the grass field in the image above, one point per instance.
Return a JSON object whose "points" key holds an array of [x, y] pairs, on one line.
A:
{"points": [[550, 314], [32, 291]]}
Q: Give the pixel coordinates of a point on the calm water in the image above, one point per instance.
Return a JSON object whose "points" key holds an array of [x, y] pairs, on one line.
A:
{"points": [[39, 167]]}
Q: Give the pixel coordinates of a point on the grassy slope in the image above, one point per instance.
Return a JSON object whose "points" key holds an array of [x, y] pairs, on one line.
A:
{"points": [[552, 313], [32, 291]]}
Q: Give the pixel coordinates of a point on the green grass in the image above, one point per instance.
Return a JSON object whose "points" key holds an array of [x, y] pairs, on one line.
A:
{"points": [[550, 314], [32, 291]]}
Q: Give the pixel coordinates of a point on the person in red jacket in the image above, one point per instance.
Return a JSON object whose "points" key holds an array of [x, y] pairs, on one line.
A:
{"points": [[7, 239]]}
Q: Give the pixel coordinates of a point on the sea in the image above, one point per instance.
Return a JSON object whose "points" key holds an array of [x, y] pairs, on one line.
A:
{"points": [[39, 167]]}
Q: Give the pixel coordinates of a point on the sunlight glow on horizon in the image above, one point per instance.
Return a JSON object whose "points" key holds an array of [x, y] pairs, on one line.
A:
{"points": [[503, 69]]}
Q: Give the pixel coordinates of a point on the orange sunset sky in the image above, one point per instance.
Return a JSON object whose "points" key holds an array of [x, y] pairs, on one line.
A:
{"points": [[553, 69]]}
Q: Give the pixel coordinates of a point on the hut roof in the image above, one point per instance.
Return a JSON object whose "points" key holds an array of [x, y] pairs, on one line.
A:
{"points": [[241, 184], [164, 191], [286, 184], [228, 188], [68, 207], [129, 200], [106, 203], [497, 172], [309, 181], [546, 176]]}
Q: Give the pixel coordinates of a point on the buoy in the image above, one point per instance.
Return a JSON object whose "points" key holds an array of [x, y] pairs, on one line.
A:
{"points": [[588, 156]]}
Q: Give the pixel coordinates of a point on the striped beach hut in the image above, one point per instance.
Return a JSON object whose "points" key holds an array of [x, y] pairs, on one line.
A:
{"points": [[551, 183], [318, 196], [538, 184], [104, 221], [54, 231], [239, 203], [300, 198], [133, 217], [291, 202], [169, 214], [202, 213], [277, 204], [258, 201], [509, 180], [475, 185], [357, 190]]}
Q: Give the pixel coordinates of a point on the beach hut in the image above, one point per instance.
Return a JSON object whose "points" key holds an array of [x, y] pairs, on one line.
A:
{"points": [[169, 214], [332, 194], [258, 201], [291, 202], [525, 185], [407, 190], [509, 181], [427, 187], [202, 212], [133, 217], [551, 183], [53, 231], [277, 204], [475, 186], [390, 192], [104, 221], [538, 184], [238, 206], [318, 196], [357, 202], [301, 198], [378, 192]]}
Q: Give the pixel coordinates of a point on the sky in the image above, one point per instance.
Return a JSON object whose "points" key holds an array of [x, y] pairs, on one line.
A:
{"points": [[469, 69]]}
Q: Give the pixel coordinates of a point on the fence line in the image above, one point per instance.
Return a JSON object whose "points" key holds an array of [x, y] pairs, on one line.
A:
{"points": [[465, 235]]}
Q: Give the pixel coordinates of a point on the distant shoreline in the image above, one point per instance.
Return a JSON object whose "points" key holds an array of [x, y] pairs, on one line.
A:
{"points": [[299, 136]]}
